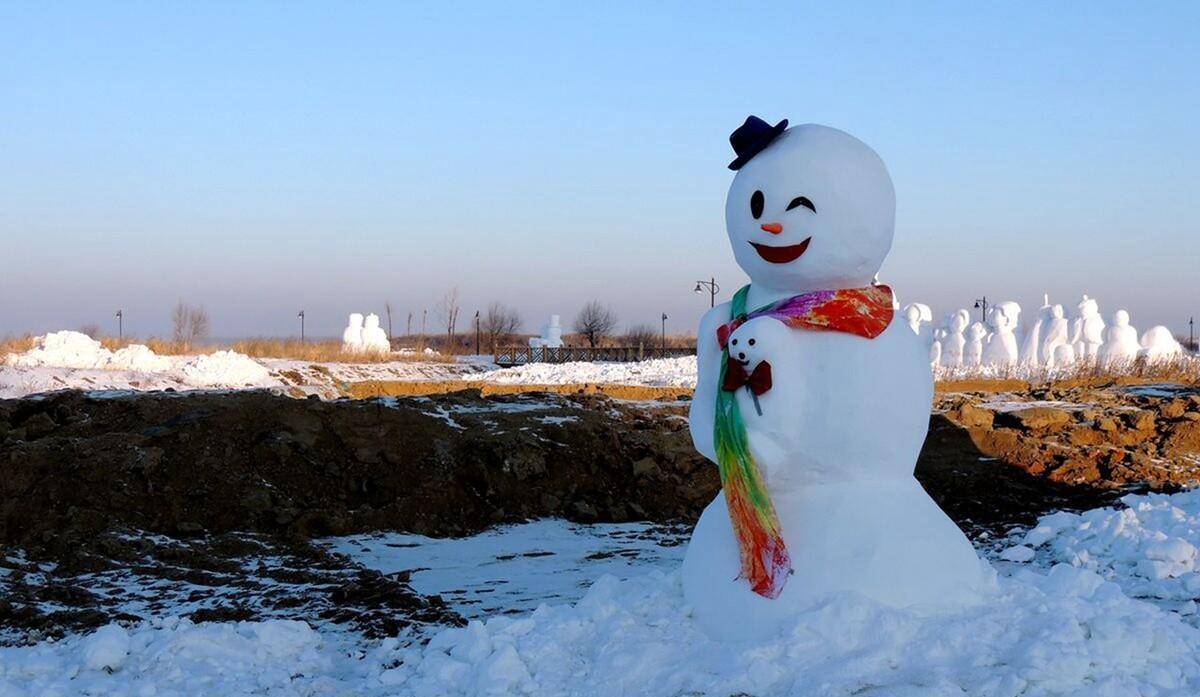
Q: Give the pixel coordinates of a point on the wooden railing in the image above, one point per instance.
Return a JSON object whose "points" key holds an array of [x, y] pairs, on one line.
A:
{"points": [[519, 356]]}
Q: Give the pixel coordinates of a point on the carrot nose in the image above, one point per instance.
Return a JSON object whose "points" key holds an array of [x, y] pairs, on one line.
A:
{"points": [[773, 228]]}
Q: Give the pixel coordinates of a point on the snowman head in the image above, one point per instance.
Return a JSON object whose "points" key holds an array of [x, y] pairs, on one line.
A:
{"points": [[1121, 318], [1088, 308], [814, 210], [1057, 312], [912, 315], [372, 321], [976, 332], [356, 319], [958, 321]]}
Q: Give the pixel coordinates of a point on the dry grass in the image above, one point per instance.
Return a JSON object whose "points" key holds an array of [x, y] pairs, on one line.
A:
{"points": [[325, 352], [14, 344]]}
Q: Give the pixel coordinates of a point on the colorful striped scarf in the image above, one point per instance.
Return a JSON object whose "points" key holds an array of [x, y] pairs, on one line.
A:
{"points": [[865, 312]]}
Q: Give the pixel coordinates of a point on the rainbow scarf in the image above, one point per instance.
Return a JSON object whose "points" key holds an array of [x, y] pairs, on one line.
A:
{"points": [[865, 312]]}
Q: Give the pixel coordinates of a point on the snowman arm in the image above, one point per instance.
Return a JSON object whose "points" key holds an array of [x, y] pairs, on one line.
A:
{"points": [[708, 366]]}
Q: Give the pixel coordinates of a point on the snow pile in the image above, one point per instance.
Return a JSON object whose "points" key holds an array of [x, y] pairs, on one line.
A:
{"points": [[1148, 547], [1065, 633], [139, 358], [65, 349], [665, 372], [225, 369], [177, 657]]}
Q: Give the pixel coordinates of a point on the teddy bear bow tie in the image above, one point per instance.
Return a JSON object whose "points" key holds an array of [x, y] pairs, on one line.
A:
{"points": [[758, 380]]}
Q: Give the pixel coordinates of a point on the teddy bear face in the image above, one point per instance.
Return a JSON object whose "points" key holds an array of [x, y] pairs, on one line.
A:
{"points": [[815, 210], [756, 340]]}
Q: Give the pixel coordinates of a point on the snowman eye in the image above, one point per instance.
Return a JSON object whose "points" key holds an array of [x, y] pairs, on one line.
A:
{"points": [[735, 342], [801, 201], [756, 204], [751, 342]]}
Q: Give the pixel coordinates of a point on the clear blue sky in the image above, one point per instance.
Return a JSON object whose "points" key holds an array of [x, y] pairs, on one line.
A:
{"points": [[263, 157]]}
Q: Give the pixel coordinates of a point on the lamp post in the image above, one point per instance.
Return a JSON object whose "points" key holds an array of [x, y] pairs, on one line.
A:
{"points": [[981, 304], [664, 334], [120, 324], [477, 332], [713, 289], [1192, 334], [301, 316]]}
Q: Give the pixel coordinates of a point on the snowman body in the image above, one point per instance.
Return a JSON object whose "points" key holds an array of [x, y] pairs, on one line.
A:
{"points": [[837, 434]]}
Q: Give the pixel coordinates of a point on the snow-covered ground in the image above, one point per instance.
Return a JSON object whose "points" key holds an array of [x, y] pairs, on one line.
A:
{"points": [[70, 360], [665, 372], [1097, 603]]}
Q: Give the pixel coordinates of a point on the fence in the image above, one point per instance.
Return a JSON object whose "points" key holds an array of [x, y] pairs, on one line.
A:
{"points": [[519, 356]]}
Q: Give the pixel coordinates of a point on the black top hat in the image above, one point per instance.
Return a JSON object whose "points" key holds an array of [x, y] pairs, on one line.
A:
{"points": [[751, 138]]}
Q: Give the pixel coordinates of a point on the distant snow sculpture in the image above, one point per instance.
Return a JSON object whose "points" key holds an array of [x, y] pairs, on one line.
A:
{"points": [[1001, 348], [374, 339], [935, 348], [1158, 344], [952, 346], [1087, 331], [973, 352], [1120, 341], [919, 316], [1055, 333], [551, 335], [1031, 346], [352, 336]]}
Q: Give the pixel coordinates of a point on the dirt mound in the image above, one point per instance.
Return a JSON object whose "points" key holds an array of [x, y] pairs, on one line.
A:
{"points": [[73, 465]]}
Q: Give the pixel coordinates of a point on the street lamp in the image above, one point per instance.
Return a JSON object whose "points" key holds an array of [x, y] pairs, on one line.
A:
{"points": [[664, 334], [713, 289], [477, 332], [981, 304], [120, 324], [301, 316]]}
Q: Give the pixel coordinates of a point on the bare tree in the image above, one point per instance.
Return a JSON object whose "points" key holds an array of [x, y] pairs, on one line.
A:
{"points": [[92, 330], [447, 310], [188, 323], [595, 322], [643, 335], [499, 323], [387, 305]]}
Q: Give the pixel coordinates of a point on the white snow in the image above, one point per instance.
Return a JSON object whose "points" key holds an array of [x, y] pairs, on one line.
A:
{"points": [[224, 368], [665, 372], [1049, 628], [1148, 546]]}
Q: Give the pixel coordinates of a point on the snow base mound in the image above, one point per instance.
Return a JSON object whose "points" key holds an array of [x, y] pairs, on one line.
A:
{"points": [[1068, 632]]}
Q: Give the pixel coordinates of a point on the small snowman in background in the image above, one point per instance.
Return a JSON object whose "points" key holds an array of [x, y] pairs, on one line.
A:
{"points": [[352, 335], [816, 449], [919, 317], [955, 342], [1087, 330], [1031, 345], [1120, 341], [1001, 347], [374, 339], [973, 351], [1056, 334]]}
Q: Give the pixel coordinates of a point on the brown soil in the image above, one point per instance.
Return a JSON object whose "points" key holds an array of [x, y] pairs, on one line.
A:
{"points": [[84, 479], [403, 388]]}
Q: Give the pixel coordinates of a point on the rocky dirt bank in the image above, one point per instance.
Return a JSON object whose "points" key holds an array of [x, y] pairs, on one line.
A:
{"points": [[210, 499]]}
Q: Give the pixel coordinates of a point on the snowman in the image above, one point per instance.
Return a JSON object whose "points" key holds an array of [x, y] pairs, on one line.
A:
{"points": [[374, 339], [1001, 348], [352, 335], [977, 335], [955, 342], [1055, 335], [1030, 346], [1087, 331], [1120, 342], [814, 399]]}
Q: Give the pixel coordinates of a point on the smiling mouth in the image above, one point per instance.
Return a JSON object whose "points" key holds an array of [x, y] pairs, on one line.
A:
{"points": [[781, 255]]}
